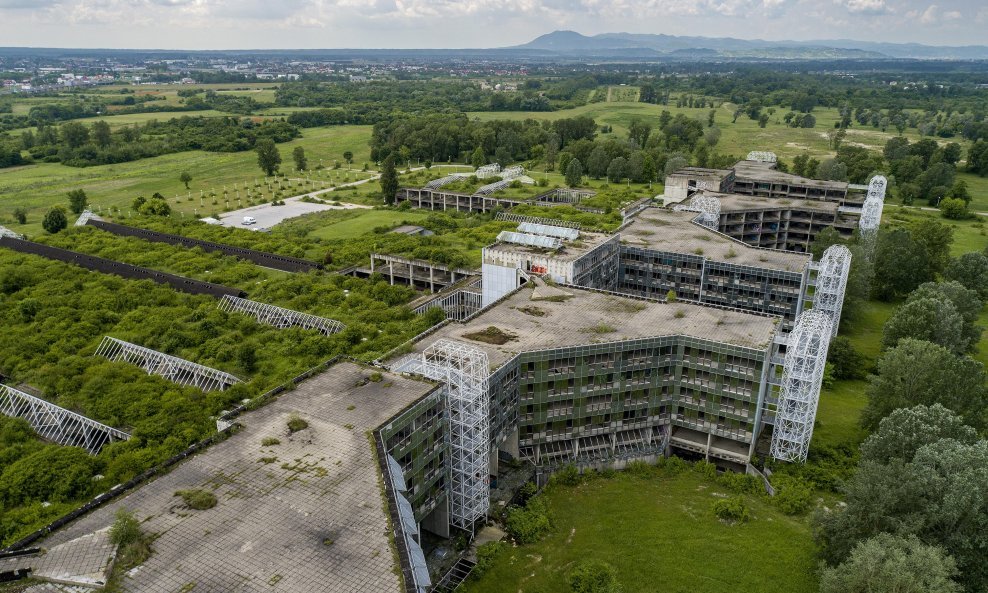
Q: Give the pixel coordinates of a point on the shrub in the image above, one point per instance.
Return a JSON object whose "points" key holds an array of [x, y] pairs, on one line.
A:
{"points": [[197, 499], [486, 555], [594, 576], [792, 495], [530, 523], [732, 509], [742, 483], [269, 441], [568, 476], [705, 468], [296, 423], [126, 528]]}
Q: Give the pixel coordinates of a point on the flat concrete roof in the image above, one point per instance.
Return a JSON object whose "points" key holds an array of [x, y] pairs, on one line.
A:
{"points": [[307, 514], [766, 172], [739, 203], [571, 250], [588, 317], [666, 230]]}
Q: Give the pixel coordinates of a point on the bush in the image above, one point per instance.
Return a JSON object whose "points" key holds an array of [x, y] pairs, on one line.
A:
{"points": [[54, 220], [270, 441], [954, 209], [568, 476], [792, 495], [742, 483], [594, 576], [197, 499], [705, 469], [296, 423], [486, 555], [126, 529], [732, 509], [530, 523]]}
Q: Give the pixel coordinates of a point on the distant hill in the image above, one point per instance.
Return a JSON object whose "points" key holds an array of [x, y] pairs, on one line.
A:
{"points": [[637, 44]]}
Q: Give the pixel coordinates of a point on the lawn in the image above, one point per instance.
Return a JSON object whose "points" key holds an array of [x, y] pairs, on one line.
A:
{"points": [[39, 186], [361, 222], [661, 535]]}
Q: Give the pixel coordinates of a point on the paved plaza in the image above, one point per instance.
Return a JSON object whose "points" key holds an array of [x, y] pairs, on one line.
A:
{"points": [[307, 514]]}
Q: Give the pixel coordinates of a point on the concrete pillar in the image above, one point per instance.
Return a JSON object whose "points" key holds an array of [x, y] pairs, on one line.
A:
{"points": [[391, 272], [432, 282], [510, 444], [710, 440], [438, 520]]}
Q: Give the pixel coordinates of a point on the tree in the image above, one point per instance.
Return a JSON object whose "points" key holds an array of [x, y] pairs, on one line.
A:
{"points": [[905, 430], [156, 206], [648, 169], [574, 173], [675, 163], [478, 159], [931, 319], [617, 170], [892, 564], [848, 364], [594, 576], [389, 180], [916, 372], [940, 496], [638, 131], [348, 157], [967, 302], [101, 134], [20, 215], [954, 209], [74, 134], [185, 178], [763, 120], [597, 165], [832, 169], [971, 271], [298, 155], [268, 157], [901, 264], [936, 239], [54, 220], [77, 201]]}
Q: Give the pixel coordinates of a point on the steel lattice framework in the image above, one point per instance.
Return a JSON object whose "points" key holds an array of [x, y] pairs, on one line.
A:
{"points": [[707, 206], [437, 183], [877, 186], [174, 369], [280, 317], [831, 282], [802, 375], [465, 370], [85, 217], [5, 232], [762, 156], [512, 172], [56, 424], [487, 171], [490, 188]]}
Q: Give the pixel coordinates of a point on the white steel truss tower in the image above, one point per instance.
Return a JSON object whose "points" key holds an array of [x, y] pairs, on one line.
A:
{"points": [[278, 316], [174, 369], [831, 282], [802, 376], [56, 424], [465, 370]]}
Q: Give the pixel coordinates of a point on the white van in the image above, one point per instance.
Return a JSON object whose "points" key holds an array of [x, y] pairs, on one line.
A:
{"points": [[249, 220]]}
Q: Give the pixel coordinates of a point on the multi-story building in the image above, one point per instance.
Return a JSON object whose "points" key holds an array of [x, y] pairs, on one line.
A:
{"points": [[756, 178]]}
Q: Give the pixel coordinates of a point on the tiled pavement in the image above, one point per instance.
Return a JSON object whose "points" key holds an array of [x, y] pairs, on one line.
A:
{"points": [[311, 520]]}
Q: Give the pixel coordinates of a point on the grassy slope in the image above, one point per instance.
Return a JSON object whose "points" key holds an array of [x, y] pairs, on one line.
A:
{"points": [[365, 222], [40, 186], [660, 535]]}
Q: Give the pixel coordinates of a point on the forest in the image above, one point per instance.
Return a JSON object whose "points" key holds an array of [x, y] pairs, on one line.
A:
{"points": [[78, 145]]}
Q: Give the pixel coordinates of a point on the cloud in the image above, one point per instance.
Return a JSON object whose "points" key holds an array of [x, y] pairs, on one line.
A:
{"points": [[865, 6], [929, 15], [26, 4]]}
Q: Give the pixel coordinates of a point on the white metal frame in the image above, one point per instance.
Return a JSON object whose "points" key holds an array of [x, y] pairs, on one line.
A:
{"points": [[831, 282], [512, 172], [530, 240], [762, 156], [487, 171], [532, 228], [490, 188], [802, 376], [465, 370], [457, 305], [174, 369], [278, 316], [707, 206], [438, 183], [56, 424]]}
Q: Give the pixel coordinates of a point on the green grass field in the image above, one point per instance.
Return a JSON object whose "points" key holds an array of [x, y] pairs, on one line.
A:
{"points": [[361, 222], [661, 535], [39, 186]]}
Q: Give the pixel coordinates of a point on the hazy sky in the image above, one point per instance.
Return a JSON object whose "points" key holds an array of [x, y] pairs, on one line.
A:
{"points": [[244, 24]]}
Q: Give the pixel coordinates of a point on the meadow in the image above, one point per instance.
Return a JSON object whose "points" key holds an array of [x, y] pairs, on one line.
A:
{"points": [[660, 534]]}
